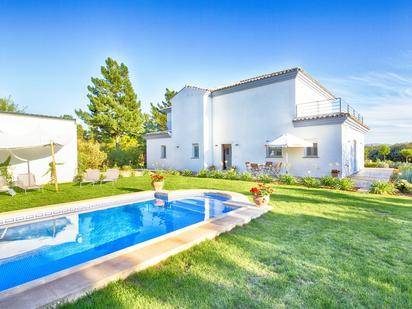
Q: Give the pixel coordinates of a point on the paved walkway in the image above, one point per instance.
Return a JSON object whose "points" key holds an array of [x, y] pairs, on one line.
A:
{"points": [[365, 177]]}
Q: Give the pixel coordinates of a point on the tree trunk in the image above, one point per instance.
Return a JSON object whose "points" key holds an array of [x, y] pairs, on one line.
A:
{"points": [[117, 139]]}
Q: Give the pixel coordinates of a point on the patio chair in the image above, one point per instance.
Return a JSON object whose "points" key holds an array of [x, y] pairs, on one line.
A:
{"points": [[27, 182], [277, 168], [91, 176], [112, 175], [254, 167]]}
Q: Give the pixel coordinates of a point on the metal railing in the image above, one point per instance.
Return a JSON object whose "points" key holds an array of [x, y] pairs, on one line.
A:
{"points": [[326, 107]]}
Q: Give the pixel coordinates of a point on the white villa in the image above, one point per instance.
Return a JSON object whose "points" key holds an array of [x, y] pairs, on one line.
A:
{"points": [[26, 138], [228, 126]]}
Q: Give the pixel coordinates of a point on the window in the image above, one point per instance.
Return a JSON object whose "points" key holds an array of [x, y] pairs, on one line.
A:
{"points": [[162, 152], [273, 152], [312, 151], [195, 151]]}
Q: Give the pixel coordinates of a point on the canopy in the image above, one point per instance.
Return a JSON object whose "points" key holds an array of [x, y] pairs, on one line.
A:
{"points": [[33, 143], [289, 141], [28, 153]]}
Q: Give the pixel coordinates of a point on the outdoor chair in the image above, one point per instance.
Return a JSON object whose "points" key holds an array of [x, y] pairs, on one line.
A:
{"points": [[254, 167], [91, 176], [277, 168], [27, 182], [112, 175]]}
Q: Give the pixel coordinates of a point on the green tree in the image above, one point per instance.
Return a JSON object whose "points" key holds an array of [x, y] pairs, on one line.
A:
{"points": [[8, 105], [158, 119], [384, 150], [406, 153], [114, 110], [67, 117]]}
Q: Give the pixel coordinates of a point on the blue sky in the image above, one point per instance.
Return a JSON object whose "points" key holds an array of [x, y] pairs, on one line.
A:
{"points": [[360, 50]]}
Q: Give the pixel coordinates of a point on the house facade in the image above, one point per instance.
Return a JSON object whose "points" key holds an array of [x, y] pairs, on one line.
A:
{"points": [[26, 138], [228, 126]]}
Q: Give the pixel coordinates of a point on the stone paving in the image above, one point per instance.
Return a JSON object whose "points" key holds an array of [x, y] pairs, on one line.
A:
{"points": [[364, 178]]}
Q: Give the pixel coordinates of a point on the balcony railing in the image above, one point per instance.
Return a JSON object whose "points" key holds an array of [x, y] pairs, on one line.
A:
{"points": [[327, 107]]}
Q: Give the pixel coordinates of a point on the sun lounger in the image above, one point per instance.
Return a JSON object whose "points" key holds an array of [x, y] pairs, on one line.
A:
{"points": [[112, 175], [91, 176], [27, 182]]}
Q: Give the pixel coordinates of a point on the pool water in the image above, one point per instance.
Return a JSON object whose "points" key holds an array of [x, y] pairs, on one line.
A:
{"points": [[34, 250]]}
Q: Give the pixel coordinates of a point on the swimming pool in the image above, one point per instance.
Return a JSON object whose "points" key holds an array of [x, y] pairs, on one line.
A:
{"points": [[33, 250]]}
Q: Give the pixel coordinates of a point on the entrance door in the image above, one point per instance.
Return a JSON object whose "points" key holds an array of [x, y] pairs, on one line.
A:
{"points": [[227, 156]]}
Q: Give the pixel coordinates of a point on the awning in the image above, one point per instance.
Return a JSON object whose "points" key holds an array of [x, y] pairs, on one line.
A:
{"points": [[289, 141]]}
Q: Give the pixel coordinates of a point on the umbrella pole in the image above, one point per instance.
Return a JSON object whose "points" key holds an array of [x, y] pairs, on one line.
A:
{"points": [[28, 172], [53, 168]]}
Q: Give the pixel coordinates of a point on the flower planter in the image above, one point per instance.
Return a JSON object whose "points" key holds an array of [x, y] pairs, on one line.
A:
{"points": [[261, 200], [335, 174], [158, 185]]}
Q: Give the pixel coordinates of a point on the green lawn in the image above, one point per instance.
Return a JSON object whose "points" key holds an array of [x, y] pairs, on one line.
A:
{"points": [[316, 248]]}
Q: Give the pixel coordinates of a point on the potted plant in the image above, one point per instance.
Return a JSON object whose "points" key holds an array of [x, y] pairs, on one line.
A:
{"points": [[261, 194], [335, 173], [157, 181]]}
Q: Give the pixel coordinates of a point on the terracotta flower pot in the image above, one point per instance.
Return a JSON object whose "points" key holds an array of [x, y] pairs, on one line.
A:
{"points": [[158, 185], [335, 174], [261, 200]]}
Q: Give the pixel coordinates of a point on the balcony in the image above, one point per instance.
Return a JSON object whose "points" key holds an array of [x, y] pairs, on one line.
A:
{"points": [[333, 107]]}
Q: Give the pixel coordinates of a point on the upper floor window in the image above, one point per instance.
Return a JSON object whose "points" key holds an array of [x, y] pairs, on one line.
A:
{"points": [[195, 151], [312, 151], [162, 152], [273, 152]]}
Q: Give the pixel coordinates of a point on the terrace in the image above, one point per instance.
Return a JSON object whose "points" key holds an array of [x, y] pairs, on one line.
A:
{"points": [[327, 108]]}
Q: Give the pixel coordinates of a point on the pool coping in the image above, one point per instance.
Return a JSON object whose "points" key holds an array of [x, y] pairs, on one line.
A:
{"points": [[63, 285]]}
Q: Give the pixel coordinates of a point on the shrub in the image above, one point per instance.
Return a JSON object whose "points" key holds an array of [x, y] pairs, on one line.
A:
{"points": [[186, 173], [403, 186], [5, 170], [310, 182], [329, 181], [231, 174], [203, 174], [265, 178], [379, 164], [405, 172], [287, 179], [89, 155], [346, 184], [172, 172], [216, 174], [382, 187], [246, 176]]}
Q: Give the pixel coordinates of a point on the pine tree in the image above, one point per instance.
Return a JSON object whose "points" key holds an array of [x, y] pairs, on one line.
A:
{"points": [[8, 105], [114, 110], [158, 119]]}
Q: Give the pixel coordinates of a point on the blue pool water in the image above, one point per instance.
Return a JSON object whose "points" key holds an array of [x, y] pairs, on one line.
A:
{"points": [[34, 250]]}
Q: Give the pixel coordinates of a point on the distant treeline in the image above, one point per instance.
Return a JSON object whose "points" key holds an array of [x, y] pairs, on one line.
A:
{"points": [[372, 152]]}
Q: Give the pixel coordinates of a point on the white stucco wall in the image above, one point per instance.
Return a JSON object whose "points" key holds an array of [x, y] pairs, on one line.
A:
{"points": [[22, 124], [154, 160], [247, 117], [352, 134]]}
